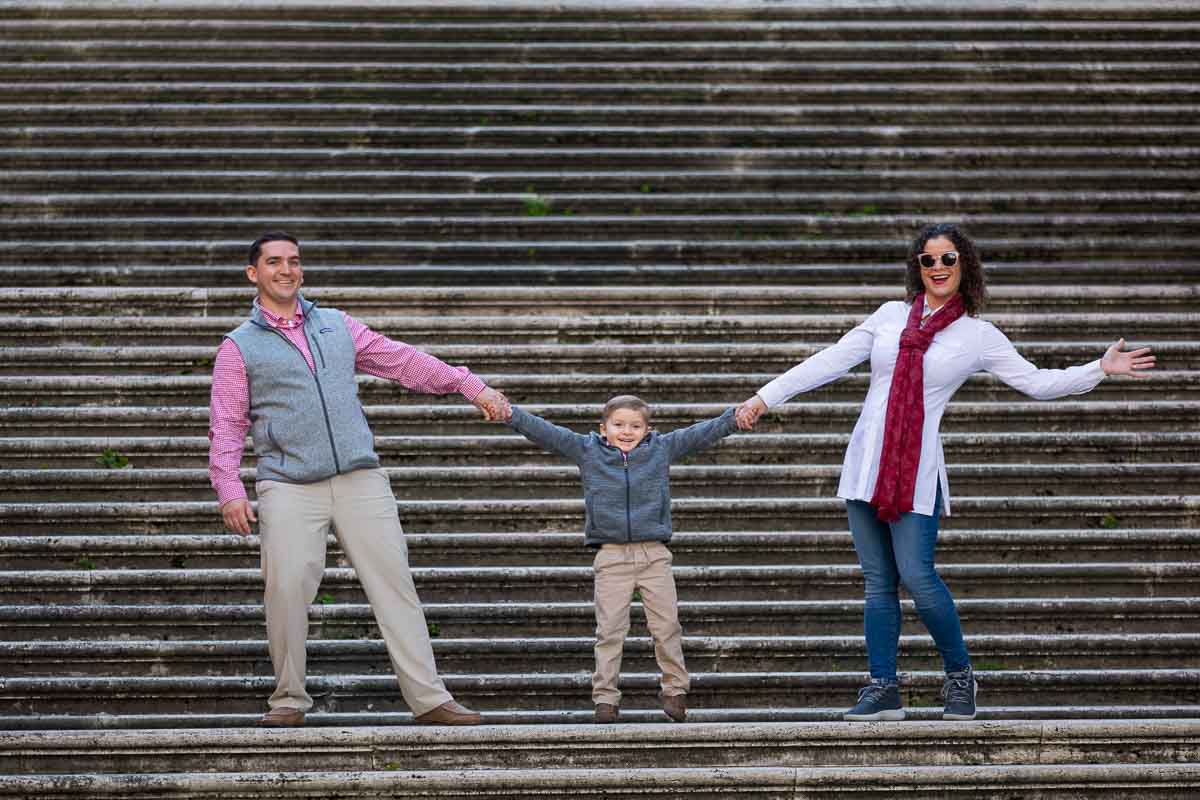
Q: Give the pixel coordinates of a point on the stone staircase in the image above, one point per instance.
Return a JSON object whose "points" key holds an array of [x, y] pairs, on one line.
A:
{"points": [[680, 199]]}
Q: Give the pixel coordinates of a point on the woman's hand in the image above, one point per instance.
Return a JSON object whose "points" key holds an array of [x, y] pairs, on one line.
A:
{"points": [[1134, 363], [748, 413]]}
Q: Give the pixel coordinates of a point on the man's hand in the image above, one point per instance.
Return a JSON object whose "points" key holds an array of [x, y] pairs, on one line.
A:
{"points": [[494, 406], [747, 413], [238, 516]]}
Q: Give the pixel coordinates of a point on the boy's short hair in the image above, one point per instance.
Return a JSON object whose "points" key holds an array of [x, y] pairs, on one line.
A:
{"points": [[627, 401]]}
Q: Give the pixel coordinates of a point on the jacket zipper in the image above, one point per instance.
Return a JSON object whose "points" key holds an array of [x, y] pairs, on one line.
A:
{"points": [[321, 394], [628, 519]]}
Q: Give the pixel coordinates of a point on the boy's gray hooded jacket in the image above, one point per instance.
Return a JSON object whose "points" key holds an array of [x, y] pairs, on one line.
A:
{"points": [[626, 498]]}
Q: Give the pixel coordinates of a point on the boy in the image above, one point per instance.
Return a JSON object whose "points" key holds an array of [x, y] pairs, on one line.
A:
{"points": [[627, 504]]}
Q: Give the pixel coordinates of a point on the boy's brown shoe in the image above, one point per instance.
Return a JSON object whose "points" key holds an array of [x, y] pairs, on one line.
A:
{"points": [[675, 706], [282, 717], [450, 713], [606, 713]]}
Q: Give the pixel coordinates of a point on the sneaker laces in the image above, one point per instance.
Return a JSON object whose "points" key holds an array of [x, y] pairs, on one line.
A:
{"points": [[958, 688], [873, 691]]}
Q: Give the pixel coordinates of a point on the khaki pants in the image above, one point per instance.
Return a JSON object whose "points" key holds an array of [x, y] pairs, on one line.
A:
{"points": [[620, 570], [294, 520]]}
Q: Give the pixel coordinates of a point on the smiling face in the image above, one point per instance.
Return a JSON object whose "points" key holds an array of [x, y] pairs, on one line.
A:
{"points": [[278, 276], [625, 428], [941, 282]]}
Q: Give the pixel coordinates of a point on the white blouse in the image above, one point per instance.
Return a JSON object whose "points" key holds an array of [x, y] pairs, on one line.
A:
{"points": [[967, 345]]}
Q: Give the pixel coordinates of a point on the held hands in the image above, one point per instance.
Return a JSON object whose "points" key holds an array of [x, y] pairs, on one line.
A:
{"points": [[747, 413], [494, 405], [238, 516], [1134, 363]]}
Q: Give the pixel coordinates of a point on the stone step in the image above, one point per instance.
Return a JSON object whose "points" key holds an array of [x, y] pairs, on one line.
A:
{"points": [[59, 449], [834, 176], [558, 583], [530, 389], [590, 74], [561, 480], [69, 359], [653, 133], [553, 691], [694, 514], [812, 272], [674, 23], [520, 227], [535, 256], [1021, 300], [403, 429], [210, 551], [35, 112], [19, 48], [210, 204], [537, 655], [527, 746], [813, 330], [1152, 781], [340, 621], [1033, 86]]}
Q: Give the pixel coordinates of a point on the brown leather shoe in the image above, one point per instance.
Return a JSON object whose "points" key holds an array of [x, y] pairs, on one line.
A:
{"points": [[450, 713], [282, 717], [675, 706], [606, 713]]}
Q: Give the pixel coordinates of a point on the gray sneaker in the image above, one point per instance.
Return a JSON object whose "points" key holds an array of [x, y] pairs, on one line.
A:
{"points": [[959, 692], [878, 700]]}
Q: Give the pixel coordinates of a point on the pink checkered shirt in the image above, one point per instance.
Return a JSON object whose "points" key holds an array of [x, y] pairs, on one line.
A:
{"points": [[375, 354]]}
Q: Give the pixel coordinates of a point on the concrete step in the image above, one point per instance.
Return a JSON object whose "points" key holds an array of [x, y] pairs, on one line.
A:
{"points": [[20, 48], [340, 621], [531, 389], [653, 133], [797, 329], [694, 514], [504, 691], [560, 583], [528, 746], [542, 654], [386, 276], [884, 242], [561, 480], [59, 448], [308, 204], [1020, 300], [162, 551], [834, 176], [533, 230], [69, 359], [1032, 87], [1152, 781], [484, 113]]}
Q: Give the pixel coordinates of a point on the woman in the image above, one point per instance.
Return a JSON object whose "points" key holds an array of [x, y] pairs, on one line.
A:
{"points": [[894, 476]]}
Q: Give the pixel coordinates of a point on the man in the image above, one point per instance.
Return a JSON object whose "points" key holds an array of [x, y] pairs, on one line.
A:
{"points": [[286, 375]]}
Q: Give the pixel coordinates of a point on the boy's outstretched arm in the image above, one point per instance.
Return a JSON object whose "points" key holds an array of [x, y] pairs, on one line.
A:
{"points": [[547, 435], [696, 437]]}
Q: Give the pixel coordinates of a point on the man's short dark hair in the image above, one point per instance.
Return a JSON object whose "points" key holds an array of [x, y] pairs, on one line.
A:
{"points": [[269, 236]]}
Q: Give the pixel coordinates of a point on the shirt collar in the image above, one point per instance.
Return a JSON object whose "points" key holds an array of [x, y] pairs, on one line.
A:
{"points": [[277, 321]]}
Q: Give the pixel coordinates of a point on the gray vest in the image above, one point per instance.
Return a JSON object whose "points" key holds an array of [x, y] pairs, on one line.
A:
{"points": [[306, 426]]}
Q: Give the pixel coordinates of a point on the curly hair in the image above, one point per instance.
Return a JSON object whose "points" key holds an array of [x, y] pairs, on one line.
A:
{"points": [[972, 288]]}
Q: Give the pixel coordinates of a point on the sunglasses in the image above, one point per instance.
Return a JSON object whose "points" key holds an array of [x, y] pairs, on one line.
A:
{"points": [[929, 261]]}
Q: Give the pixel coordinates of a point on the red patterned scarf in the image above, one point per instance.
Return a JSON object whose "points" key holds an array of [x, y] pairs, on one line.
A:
{"points": [[906, 410]]}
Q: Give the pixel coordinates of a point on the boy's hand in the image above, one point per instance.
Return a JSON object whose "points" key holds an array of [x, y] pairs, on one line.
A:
{"points": [[747, 413], [494, 405]]}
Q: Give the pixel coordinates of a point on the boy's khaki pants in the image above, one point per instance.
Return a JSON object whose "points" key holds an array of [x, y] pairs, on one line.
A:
{"points": [[620, 570], [294, 520]]}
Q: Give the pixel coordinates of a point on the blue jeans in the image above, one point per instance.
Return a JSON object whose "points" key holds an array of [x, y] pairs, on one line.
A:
{"points": [[895, 553]]}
